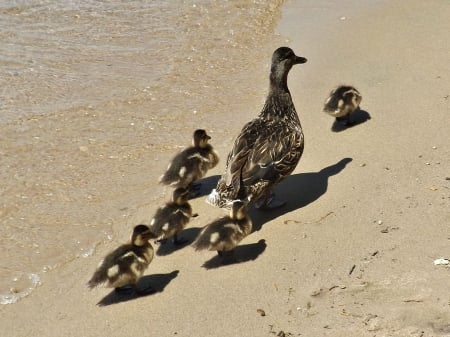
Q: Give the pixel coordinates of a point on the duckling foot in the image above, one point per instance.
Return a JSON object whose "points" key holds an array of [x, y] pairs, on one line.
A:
{"points": [[194, 190], [128, 289], [344, 120], [269, 203], [161, 241], [144, 291], [227, 256]]}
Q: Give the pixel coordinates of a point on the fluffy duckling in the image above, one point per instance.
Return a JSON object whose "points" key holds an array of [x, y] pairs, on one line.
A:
{"points": [[224, 234], [341, 102], [170, 219], [192, 163], [125, 265], [268, 148]]}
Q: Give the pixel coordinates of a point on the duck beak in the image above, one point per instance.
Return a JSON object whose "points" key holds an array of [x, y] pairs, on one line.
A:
{"points": [[207, 137], [300, 60]]}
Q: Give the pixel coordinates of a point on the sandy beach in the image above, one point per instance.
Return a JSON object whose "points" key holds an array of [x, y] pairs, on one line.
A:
{"points": [[368, 207]]}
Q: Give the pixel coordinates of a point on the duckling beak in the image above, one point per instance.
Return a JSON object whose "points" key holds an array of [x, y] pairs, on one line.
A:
{"points": [[300, 60]]}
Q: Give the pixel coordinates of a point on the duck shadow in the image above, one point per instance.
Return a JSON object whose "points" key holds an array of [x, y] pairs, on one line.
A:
{"points": [[357, 117], [188, 235], [158, 282], [207, 185], [298, 190], [243, 253]]}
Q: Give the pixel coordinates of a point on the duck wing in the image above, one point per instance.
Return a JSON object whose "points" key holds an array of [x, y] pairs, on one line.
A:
{"points": [[184, 168], [264, 151]]}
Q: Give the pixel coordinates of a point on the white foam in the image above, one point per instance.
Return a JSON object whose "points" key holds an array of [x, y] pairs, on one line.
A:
{"points": [[13, 297]]}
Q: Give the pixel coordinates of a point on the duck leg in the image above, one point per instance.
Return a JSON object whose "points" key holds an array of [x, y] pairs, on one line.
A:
{"points": [[178, 241], [194, 190], [126, 289], [143, 291], [344, 120], [227, 256], [161, 241]]}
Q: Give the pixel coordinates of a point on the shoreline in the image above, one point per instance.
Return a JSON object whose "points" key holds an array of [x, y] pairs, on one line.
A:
{"points": [[351, 255]]}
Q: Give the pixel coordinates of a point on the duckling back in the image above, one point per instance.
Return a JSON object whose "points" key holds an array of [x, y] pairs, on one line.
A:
{"points": [[223, 234], [189, 165], [342, 101], [170, 219], [123, 266]]}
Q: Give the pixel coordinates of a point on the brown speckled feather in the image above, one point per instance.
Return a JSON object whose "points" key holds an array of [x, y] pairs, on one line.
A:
{"points": [[269, 147]]}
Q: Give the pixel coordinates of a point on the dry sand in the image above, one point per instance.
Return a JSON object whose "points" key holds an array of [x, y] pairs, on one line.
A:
{"points": [[368, 207]]}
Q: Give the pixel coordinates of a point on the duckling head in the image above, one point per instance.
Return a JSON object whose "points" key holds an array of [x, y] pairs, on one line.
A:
{"points": [[283, 59], [238, 210], [141, 235], [200, 138], [180, 195]]}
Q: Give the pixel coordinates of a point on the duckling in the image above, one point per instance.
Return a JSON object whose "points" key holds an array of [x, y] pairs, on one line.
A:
{"points": [[125, 265], [192, 163], [224, 234], [341, 102], [170, 219], [268, 148]]}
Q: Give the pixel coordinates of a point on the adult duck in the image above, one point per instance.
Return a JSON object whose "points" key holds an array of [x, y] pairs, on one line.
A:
{"points": [[268, 148]]}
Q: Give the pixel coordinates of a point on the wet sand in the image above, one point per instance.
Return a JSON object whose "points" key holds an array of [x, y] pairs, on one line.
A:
{"points": [[352, 252]]}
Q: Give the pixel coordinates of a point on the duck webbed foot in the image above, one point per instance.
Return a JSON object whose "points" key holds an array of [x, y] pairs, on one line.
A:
{"points": [[269, 202], [227, 256]]}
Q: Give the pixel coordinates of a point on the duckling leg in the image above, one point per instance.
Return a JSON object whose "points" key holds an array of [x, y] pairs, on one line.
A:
{"points": [[194, 190], [127, 289], [178, 241], [227, 256], [143, 291], [344, 120]]}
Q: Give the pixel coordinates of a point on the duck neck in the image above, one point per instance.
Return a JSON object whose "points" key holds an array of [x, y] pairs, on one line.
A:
{"points": [[278, 80], [279, 103]]}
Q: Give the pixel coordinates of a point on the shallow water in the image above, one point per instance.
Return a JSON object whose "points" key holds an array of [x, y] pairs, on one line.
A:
{"points": [[62, 54], [89, 92]]}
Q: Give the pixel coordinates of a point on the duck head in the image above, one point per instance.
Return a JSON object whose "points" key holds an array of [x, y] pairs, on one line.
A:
{"points": [[283, 59], [180, 195], [238, 210], [200, 138], [141, 235]]}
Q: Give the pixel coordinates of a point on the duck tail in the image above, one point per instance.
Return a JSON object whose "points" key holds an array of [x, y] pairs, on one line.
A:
{"points": [[169, 178], [202, 242], [219, 200], [95, 281], [99, 278]]}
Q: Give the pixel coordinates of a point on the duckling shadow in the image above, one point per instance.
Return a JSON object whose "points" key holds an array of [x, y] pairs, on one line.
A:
{"points": [[357, 117], [243, 253], [299, 190], [207, 185], [158, 283], [188, 235]]}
